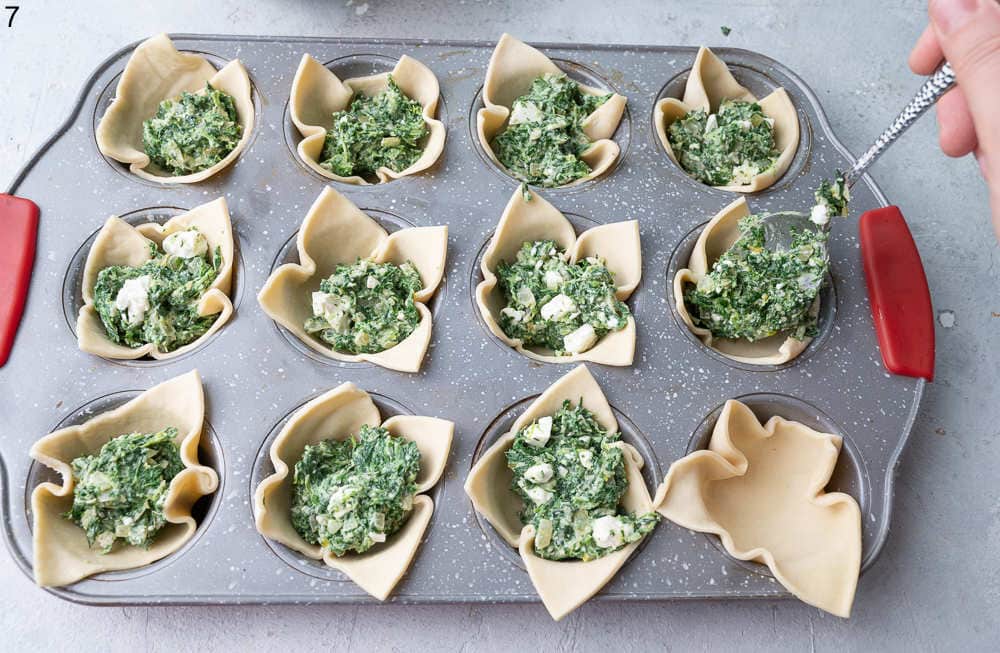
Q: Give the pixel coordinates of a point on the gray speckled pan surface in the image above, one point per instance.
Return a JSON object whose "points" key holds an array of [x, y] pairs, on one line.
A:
{"points": [[254, 377]]}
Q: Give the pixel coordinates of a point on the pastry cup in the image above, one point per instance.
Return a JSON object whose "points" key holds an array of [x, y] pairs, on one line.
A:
{"points": [[119, 243], [513, 66], [335, 231], [62, 555], [709, 83], [760, 489], [535, 219], [157, 72], [338, 414], [564, 585], [317, 94], [717, 237]]}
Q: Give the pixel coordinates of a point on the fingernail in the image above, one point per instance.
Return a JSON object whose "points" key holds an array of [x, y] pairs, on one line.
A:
{"points": [[950, 15]]}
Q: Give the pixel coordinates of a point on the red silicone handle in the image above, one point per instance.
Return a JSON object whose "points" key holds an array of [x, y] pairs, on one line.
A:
{"points": [[898, 293], [18, 231]]}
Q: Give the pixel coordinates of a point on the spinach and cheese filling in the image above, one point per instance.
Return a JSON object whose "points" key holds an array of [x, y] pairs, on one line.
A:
{"points": [[752, 292], [728, 147], [365, 307], [571, 477], [193, 132], [385, 130], [119, 492], [157, 302], [543, 140], [554, 304], [350, 495], [831, 200]]}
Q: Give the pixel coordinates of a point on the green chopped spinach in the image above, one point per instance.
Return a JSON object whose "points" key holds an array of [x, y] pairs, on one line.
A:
{"points": [[119, 492], [383, 130], [157, 302], [557, 305], [350, 495], [544, 139], [726, 30], [831, 199], [728, 147], [193, 132], [571, 477], [752, 292], [366, 307]]}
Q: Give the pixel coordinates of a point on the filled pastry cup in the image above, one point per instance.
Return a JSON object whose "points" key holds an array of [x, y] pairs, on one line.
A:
{"points": [[335, 232], [120, 243], [562, 585], [62, 555], [529, 217], [717, 237], [157, 72], [760, 489], [513, 66], [339, 414], [317, 94], [709, 83]]}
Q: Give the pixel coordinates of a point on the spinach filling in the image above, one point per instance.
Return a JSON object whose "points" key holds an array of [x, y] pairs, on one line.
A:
{"points": [[366, 307], [383, 130], [350, 495], [753, 292], [831, 199], [193, 132], [728, 147], [119, 492], [544, 139], [157, 302], [551, 303], [571, 477]]}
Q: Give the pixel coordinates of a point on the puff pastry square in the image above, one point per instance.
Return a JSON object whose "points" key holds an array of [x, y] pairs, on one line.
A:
{"points": [[530, 217], [317, 94], [709, 83], [717, 237], [339, 414], [760, 489], [563, 585], [62, 555], [335, 232], [157, 72], [513, 66], [119, 243]]}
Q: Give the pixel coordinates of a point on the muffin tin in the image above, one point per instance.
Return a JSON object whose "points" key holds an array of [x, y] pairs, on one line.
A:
{"points": [[255, 375]]}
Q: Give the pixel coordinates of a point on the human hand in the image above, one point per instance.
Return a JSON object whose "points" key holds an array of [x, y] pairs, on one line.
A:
{"points": [[967, 34]]}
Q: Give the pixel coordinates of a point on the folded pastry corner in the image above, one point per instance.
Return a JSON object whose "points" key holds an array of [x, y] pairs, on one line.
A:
{"points": [[709, 83], [157, 71], [338, 415], [336, 232], [760, 489], [317, 94], [62, 554]]}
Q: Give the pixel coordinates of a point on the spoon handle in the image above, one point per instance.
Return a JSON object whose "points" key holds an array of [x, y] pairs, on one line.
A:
{"points": [[936, 85]]}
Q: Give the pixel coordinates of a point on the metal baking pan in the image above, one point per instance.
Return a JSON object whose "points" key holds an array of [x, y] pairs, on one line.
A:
{"points": [[255, 376]]}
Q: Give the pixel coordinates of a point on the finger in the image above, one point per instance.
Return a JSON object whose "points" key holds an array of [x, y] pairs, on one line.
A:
{"points": [[926, 54], [955, 129]]}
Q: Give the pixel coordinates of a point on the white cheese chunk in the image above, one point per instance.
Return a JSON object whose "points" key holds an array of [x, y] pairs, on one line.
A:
{"points": [[523, 112], [820, 214], [580, 340], [525, 297], [557, 307], [185, 244], [711, 123], [133, 299], [608, 532], [377, 537], [586, 457], [333, 309], [543, 536], [371, 282], [514, 314], [540, 473], [744, 124], [553, 279], [539, 495], [538, 434]]}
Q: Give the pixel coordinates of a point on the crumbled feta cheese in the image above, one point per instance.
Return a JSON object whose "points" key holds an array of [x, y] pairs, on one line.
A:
{"points": [[525, 297], [553, 279], [557, 307], [543, 536], [820, 214], [744, 173], [540, 473], [333, 309], [371, 282], [539, 495], [377, 537], [523, 112], [586, 457], [538, 434], [514, 314], [185, 244], [711, 123], [608, 532], [580, 340], [744, 124], [133, 299]]}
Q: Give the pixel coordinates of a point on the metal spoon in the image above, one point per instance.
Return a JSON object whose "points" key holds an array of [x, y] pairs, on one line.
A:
{"points": [[779, 227]]}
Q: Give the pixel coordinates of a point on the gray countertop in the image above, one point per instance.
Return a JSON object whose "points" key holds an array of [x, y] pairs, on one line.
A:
{"points": [[937, 584]]}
